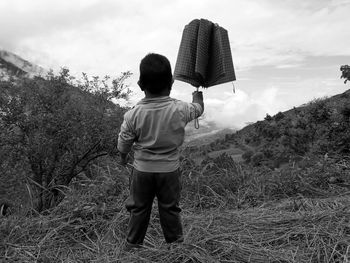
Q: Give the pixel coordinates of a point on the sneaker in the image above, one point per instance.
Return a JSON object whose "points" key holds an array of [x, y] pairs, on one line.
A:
{"points": [[128, 247], [175, 244]]}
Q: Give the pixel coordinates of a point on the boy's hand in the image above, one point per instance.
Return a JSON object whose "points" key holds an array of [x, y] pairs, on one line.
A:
{"points": [[123, 159], [197, 97]]}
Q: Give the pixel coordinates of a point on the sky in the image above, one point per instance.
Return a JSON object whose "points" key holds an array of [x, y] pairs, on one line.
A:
{"points": [[285, 52]]}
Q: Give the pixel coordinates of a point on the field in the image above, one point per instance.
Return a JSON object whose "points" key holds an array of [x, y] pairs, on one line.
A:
{"points": [[231, 213]]}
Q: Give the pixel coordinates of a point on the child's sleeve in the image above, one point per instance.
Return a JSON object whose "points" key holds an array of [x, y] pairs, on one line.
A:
{"points": [[126, 136], [192, 111]]}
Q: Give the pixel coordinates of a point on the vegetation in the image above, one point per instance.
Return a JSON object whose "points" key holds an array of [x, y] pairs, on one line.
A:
{"points": [[318, 128], [231, 213], [52, 130], [288, 201], [345, 72]]}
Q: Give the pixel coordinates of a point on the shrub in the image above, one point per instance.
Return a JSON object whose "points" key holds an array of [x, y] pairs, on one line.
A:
{"points": [[257, 158], [345, 111], [319, 111], [279, 116], [268, 130], [268, 117], [247, 156], [53, 129]]}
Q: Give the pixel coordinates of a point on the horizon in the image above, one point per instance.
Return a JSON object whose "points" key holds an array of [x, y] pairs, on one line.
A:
{"points": [[285, 53]]}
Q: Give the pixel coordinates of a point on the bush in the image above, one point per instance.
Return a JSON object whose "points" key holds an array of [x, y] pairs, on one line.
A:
{"points": [[247, 156], [52, 129], [345, 111], [257, 158], [268, 117], [319, 111], [279, 116]]}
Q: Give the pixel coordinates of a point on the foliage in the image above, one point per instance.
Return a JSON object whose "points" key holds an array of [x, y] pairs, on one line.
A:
{"points": [[53, 128], [101, 87], [345, 111], [279, 116], [268, 118], [319, 127], [247, 155], [345, 72], [257, 158], [319, 111]]}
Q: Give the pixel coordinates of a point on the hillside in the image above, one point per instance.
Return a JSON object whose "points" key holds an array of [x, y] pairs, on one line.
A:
{"points": [[319, 127], [275, 191], [12, 65], [206, 134]]}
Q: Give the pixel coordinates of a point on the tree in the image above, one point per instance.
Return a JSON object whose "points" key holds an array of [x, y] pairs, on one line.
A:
{"points": [[279, 116], [53, 128], [319, 111], [345, 72], [268, 117]]}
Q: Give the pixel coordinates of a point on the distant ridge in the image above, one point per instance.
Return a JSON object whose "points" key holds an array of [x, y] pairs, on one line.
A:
{"points": [[12, 65]]}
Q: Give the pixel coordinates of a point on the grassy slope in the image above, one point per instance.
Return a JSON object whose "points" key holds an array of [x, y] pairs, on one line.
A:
{"points": [[334, 103], [230, 214]]}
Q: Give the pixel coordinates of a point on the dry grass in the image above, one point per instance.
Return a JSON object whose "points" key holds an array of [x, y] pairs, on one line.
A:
{"points": [[266, 234], [89, 226]]}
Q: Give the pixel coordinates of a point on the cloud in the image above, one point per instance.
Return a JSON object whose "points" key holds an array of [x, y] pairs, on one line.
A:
{"points": [[272, 43], [287, 31], [21, 19], [235, 110], [85, 34]]}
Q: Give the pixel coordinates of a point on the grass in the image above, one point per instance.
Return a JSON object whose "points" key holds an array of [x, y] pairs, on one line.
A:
{"points": [[230, 214], [233, 150]]}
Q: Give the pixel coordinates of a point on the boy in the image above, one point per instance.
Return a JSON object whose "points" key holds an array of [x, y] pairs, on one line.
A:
{"points": [[155, 127]]}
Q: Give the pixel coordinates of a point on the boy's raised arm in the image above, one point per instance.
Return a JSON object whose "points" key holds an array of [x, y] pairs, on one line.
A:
{"points": [[197, 97], [196, 108]]}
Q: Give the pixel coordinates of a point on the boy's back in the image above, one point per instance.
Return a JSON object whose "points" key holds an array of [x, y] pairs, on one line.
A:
{"points": [[156, 126]]}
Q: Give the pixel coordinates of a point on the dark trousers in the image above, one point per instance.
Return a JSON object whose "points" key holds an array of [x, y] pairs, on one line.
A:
{"points": [[144, 187]]}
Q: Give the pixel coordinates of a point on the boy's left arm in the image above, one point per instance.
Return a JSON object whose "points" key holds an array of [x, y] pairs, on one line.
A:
{"points": [[126, 139], [123, 158]]}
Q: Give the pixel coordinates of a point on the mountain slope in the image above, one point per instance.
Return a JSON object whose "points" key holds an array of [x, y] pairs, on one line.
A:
{"points": [[320, 127], [12, 65]]}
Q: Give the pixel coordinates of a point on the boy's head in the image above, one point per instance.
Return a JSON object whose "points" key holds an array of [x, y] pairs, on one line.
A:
{"points": [[155, 74]]}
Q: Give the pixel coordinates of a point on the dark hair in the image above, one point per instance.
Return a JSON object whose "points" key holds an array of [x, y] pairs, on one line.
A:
{"points": [[155, 73]]}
